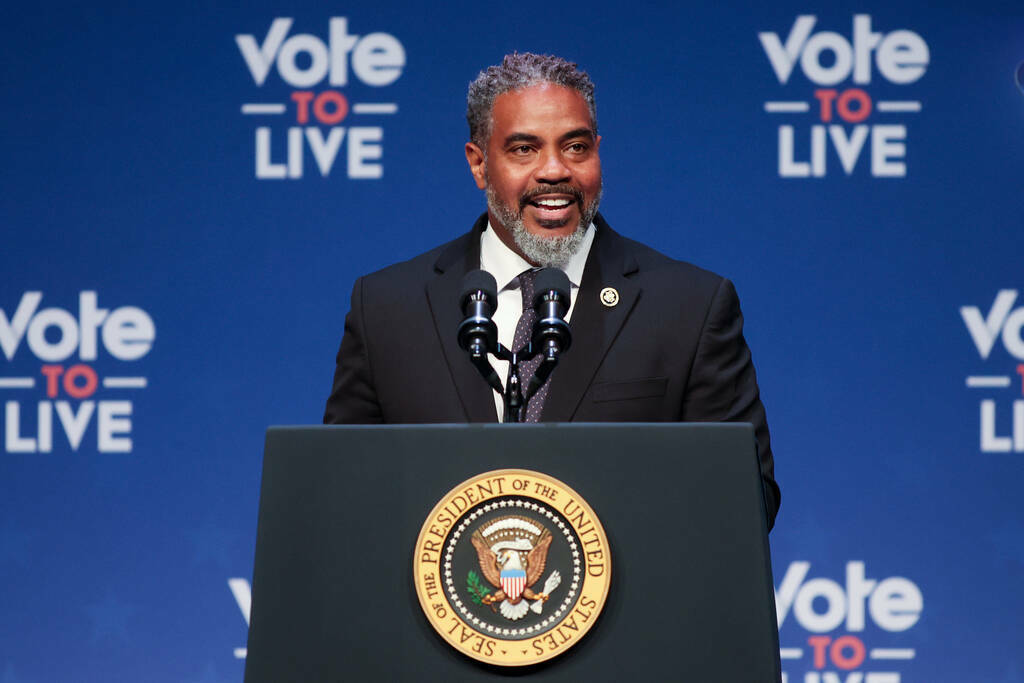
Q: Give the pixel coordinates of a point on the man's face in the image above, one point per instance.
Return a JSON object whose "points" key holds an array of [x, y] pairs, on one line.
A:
{"points": [[541, 169]]}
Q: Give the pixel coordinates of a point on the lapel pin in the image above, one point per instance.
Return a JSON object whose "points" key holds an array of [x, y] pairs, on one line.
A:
{"points": [[609, 296]]}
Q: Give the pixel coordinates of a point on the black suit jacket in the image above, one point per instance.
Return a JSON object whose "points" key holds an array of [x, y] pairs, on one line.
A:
{"points": [[671, 350]]}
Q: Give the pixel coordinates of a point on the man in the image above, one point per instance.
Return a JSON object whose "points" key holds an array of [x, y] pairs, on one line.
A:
{"points": [[654, 339]]}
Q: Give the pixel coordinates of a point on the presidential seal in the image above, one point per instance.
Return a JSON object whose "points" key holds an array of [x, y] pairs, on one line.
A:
{"points": [[512, 567]]}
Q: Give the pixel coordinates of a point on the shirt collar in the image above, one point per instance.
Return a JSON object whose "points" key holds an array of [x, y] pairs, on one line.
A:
{"points": [[506, 265]]}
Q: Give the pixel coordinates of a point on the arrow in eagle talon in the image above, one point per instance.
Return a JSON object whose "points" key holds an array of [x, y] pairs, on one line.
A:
{"points": [[554, 579]]}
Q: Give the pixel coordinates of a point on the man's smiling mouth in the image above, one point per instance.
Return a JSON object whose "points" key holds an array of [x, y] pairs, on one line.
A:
{"points": [[551, 203], [552, 211]]}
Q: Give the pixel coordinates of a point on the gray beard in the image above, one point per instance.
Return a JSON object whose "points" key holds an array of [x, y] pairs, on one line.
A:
{"points": [[545, 252]]}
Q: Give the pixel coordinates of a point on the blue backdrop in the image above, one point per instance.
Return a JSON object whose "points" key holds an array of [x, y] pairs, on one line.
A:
{"points": [[177, 264]]}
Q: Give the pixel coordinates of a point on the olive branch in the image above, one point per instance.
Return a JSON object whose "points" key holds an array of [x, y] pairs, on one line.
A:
{"points": [[477, 589]]}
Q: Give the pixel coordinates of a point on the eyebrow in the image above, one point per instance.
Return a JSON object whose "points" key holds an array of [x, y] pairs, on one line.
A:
{"points": [[578, 133], [526, 137], [521, 137]]}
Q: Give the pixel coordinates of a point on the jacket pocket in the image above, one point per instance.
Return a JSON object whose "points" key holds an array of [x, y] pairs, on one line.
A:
{"points": [[650, 387]]}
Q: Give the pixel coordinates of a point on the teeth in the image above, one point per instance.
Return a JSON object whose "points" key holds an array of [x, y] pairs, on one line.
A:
{"points": [[556, 203]]}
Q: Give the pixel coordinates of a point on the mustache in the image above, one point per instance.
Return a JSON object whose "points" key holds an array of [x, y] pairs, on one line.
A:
{"points": [[529, 195]]}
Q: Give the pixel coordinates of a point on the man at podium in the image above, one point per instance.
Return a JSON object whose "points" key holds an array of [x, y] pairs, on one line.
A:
{"points": [[655, 339]]}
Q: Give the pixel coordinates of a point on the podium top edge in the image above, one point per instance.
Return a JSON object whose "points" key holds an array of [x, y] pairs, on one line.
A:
{"points": [[682, 426]]}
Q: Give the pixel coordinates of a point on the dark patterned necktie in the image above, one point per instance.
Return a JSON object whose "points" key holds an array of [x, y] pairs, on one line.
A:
{"points": [[524, 329]]}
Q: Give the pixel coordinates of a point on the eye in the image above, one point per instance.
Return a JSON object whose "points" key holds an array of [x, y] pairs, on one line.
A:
{"points": [[577, 147], [522, 149]]}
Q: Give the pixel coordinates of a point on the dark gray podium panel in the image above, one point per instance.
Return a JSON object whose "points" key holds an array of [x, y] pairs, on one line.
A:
{"points": [[691, 595]]}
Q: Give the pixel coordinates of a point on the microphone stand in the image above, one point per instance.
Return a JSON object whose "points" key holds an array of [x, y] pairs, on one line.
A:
{"points": [[512, 392], [477, 334], [514, 396]]}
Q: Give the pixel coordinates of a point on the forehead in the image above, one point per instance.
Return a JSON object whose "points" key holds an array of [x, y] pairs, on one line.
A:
{"points": [[542, 110]]}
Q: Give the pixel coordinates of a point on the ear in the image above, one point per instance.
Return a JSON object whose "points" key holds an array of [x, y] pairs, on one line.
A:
{"points": [[475, 157], [597, 143]]}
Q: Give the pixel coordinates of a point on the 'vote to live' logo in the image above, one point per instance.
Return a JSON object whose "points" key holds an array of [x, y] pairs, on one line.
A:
{"points": [[1001, 421], [66, 395], [844, 631], [844, 118], [307, 63]]}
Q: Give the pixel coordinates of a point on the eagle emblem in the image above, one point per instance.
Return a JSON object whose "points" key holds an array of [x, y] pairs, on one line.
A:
{"points": [[512, 551], [500, 567]]}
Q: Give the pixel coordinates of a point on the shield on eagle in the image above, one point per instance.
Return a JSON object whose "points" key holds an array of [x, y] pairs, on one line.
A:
{"points": [[512, 551], [512, 582]]}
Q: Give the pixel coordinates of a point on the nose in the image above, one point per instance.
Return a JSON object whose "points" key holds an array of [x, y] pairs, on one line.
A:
{"points": [[552, 169]]}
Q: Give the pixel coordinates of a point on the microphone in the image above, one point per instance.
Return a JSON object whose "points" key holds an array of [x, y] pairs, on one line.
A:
{"points": [[551, 334], [477, 332]]}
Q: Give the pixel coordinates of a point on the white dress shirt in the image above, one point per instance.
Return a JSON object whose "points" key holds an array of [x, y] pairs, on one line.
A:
{"points": [[506, 265]]}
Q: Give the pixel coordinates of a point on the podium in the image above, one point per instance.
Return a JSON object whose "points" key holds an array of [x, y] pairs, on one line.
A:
{"points": [[691, 596]]}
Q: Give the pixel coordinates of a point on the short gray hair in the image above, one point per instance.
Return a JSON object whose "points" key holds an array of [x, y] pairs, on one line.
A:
{"points": [[517, 71]]}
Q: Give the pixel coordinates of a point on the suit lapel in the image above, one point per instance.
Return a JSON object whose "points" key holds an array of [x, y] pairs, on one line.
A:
{"points": [[594, 325], [462, 256]]}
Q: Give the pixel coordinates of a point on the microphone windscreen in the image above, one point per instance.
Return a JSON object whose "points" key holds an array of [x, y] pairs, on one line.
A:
{"points": [[548, 279], [480, 280]]}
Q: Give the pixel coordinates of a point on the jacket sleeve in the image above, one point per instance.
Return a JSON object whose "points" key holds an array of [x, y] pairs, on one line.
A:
{"points": [[723, 385], [353, 398]]}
